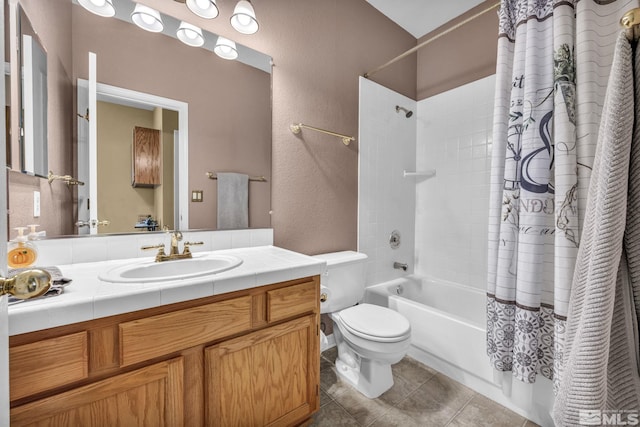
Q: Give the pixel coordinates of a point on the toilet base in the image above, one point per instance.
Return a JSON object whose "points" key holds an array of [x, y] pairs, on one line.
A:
{"points": [[369, 377]]}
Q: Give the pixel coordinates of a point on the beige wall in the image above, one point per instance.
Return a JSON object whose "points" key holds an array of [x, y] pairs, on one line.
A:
{"points": [[57, 201], [462, 56], [118, 201], [319, 49]]}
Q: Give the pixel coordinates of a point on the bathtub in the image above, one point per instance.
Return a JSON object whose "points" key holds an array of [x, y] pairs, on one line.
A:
{"points": [[448, 333]]}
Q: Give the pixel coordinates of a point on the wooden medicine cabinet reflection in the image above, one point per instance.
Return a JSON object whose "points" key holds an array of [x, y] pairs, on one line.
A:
{"points": [[146, 157]]}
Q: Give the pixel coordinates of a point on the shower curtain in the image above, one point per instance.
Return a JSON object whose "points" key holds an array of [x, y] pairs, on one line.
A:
{"points": [[544, 138]]}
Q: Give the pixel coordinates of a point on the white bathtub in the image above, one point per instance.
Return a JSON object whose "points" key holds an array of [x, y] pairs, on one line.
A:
{"points": [[448, 333]]}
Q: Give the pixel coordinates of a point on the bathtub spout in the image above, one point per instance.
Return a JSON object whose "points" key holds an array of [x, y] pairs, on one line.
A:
{"points": [[400, 266]]}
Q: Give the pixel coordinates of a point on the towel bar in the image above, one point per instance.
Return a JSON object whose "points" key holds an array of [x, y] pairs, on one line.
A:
{"points": [[213, 175]]}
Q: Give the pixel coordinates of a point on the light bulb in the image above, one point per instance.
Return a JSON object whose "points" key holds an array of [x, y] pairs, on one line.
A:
{"points": [[99, 7], [225, 48], [190, 34], [244, 18], [147, 18], [203, 8]]}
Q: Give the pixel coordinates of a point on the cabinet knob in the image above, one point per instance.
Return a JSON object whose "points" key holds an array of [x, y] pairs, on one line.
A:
{"points": [[26, 284]]}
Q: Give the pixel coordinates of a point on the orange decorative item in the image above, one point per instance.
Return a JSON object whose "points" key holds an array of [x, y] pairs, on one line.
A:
{"points": [[21, 253]]}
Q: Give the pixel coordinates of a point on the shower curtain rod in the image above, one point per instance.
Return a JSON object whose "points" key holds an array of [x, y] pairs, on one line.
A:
{"points": [[426, 42]]}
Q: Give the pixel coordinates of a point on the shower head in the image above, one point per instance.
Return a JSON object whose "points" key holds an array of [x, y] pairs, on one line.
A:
{"points": [[408, 113]]}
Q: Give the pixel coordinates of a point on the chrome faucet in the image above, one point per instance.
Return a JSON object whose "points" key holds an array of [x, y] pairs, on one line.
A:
{"points": [[400, 266], [174, 252]]}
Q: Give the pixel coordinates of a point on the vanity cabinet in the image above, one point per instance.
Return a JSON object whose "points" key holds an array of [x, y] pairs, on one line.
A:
{"points": [[247, 358]]}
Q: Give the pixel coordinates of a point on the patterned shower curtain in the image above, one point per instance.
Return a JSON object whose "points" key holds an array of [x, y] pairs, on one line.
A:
{"points": [[544, 137]]}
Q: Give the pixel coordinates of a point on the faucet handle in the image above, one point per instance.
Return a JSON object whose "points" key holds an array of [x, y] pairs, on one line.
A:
{"points": [[160, 256], [187, 244], [159, 246]]}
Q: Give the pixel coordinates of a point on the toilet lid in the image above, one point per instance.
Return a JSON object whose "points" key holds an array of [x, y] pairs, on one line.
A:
{"points": [[373, 321]]}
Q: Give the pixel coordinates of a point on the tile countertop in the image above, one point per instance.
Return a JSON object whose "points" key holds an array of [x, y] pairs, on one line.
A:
{"points": [[87, 297]]}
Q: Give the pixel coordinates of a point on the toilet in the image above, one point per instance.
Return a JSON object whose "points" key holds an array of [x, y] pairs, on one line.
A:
{"points": [[370, 338]]}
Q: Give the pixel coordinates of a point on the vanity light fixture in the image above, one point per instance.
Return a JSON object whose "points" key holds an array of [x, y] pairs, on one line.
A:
{"points": [[99, 7], [203, 8], [190, 34], [244, 18], [225, 48], [147, 18]]}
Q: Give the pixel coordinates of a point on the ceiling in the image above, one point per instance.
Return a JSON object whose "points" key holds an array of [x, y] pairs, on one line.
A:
{"points": [[419, 17]]}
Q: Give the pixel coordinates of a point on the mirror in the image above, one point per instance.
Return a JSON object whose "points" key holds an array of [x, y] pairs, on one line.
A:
{"points": [[33, 100], [228, 127]]}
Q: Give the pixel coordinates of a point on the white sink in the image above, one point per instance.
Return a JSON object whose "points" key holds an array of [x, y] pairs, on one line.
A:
{"points": [[151, 271]]}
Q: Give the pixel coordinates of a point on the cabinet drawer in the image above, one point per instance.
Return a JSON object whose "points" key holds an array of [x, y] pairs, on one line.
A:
{"points": [[47, 364], [156, 336], [293, 300]]}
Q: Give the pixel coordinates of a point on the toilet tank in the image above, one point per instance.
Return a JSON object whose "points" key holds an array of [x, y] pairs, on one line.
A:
{"points": [[343, 280]]}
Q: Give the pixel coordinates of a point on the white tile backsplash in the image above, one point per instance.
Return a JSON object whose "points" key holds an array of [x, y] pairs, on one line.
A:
{"points": [[83, 249]]}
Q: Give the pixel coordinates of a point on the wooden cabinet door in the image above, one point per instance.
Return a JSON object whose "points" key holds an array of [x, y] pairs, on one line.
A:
{"points": [[266, 378], [150, 396], [147, 158]]}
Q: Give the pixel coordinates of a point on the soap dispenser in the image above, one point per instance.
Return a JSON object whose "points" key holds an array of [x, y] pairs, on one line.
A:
{"points": [[21, 253], [33, 234]]}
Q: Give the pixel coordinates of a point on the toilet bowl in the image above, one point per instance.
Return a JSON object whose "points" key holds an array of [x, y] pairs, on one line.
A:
{"points": [[369, 338]]}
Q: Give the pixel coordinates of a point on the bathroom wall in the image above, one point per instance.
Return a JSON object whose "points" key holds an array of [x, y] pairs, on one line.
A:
{"points": [[454, 137], [464, 55], [319, 49], [386, 197]]}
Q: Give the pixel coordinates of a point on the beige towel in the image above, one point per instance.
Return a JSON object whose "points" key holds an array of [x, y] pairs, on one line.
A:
{"points": [[600, 360]]}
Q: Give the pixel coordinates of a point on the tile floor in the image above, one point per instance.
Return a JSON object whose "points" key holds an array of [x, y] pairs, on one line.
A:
{"points": [[420, 397]]}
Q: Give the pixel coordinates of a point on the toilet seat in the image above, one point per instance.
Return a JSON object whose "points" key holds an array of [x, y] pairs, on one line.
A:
{"points": [[375, 323]]}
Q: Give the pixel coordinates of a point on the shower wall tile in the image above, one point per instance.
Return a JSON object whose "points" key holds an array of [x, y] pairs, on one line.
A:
{"points": [[454, 137], [386, 201]]}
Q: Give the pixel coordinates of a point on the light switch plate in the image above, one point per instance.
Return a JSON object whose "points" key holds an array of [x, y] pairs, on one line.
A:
{"points": [[36, 204], [196, 195]]}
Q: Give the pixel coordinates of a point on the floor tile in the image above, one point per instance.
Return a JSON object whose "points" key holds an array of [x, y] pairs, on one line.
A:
{"points": [[484, 412], [324, 398], [420, 397], [396, 418], [330, 383], [363, 409], [408, 375], [332, 415], [436, 402], [330, 354]]}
